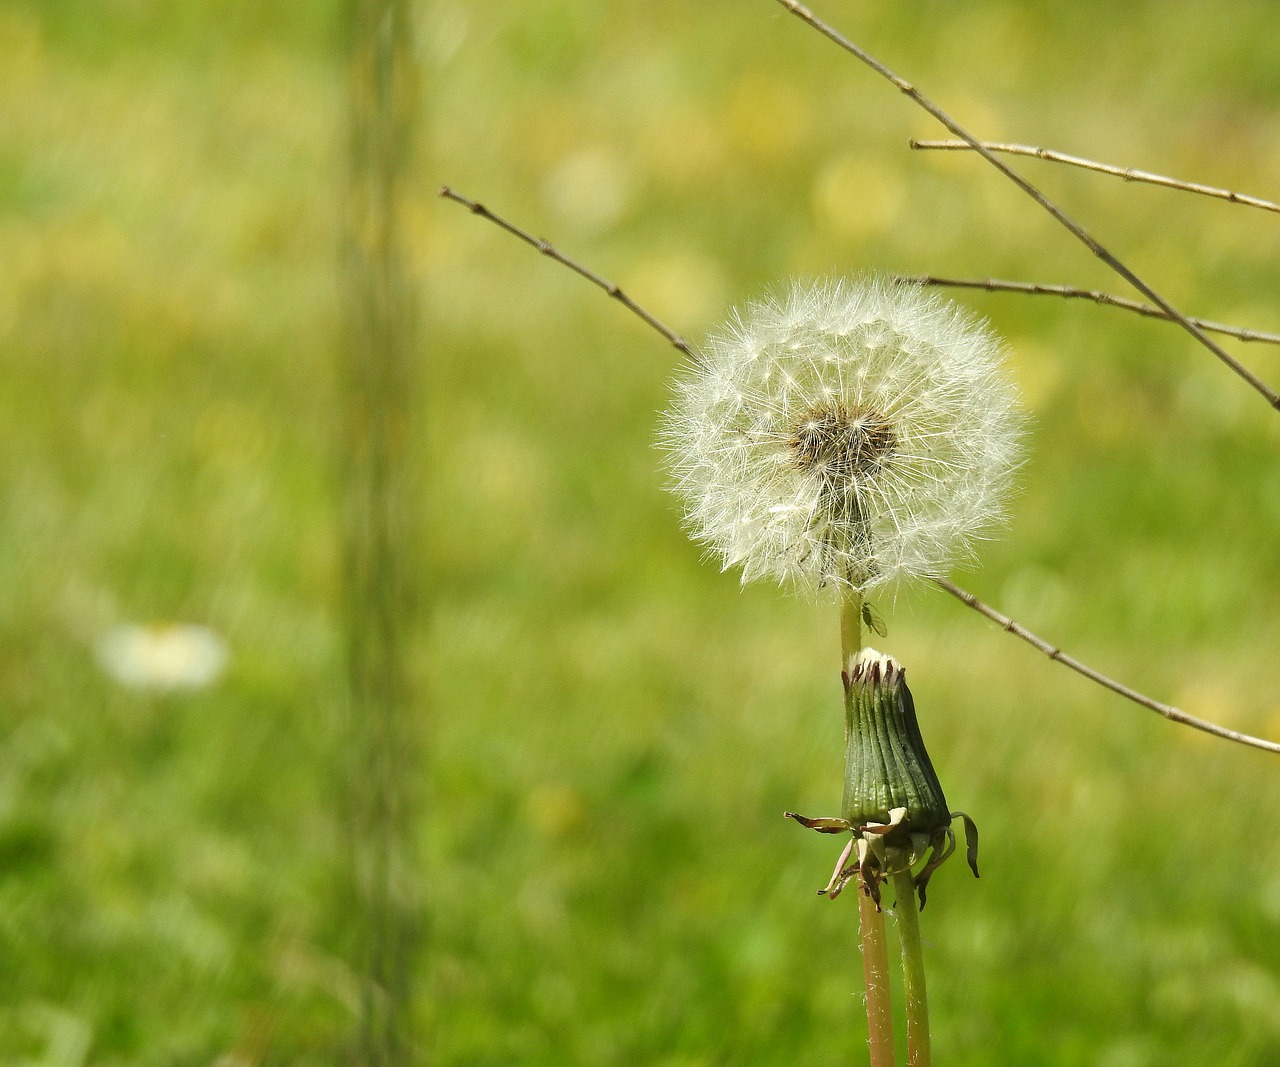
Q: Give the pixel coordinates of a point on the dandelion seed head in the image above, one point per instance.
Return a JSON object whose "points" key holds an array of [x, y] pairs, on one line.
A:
{"points": [[845, 434]]}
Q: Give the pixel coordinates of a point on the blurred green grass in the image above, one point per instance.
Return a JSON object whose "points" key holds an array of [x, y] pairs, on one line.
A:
{"points": [[614, 727]]}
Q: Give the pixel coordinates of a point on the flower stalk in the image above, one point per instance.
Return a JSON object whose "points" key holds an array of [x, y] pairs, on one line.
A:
{"points": [[918, 1045], [897, 816], [875, 970], [850, 631], [871, 926]]}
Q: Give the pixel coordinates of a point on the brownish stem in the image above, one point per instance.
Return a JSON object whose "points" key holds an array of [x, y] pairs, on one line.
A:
{"points": [[1054, 653], [1129, 174], [1075, 292], [875, 967]]}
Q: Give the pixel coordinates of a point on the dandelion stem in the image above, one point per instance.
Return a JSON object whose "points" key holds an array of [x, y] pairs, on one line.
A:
{"points": [[997, 285], [1079, 232], [1129, 174], [850, 629], [1055, 653], [908, 916], [1171, 713], [875, 968]]}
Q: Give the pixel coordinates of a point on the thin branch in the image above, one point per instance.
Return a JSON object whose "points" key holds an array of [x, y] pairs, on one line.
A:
{"points": [[476, 208], [995, 285], [1055, 653], [909, 90], [968, 599], [1129, 174]]}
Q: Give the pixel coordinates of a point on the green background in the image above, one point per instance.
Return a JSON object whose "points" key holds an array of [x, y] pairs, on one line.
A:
{"points": [[613, 727]]}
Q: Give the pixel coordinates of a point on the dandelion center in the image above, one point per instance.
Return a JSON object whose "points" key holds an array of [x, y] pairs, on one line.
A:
{"points": [[840, 444]]}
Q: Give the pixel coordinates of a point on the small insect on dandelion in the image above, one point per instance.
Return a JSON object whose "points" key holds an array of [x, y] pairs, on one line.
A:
{"points": [[845, 435]]}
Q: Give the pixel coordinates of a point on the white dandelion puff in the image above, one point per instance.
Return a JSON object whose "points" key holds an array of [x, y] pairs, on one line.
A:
{"points": [[845, 435]]}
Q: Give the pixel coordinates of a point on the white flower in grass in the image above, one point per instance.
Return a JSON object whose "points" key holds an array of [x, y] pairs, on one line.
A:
{"points": [[164, 656], [847, 434]]}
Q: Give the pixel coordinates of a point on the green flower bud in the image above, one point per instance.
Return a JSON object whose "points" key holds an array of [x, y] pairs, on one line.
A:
{"points": [[886, 765], [893, 803]]}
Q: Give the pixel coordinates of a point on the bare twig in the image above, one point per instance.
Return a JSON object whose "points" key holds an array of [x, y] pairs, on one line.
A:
{"points": [[551, 252], [1055, 653], [1129, 174], [1038, 289], [1082, 235], [968, 599]]}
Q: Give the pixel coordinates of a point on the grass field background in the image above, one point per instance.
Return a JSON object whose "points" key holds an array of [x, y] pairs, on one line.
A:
{"points": [[613, 727]]}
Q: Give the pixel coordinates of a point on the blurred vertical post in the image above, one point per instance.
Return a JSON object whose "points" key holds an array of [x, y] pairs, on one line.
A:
{"points": [[377, 384]]}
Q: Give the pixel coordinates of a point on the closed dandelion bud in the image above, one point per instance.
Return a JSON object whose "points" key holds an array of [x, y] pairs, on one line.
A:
{"points": [[846, 435], [886, 765], [893, 804]]}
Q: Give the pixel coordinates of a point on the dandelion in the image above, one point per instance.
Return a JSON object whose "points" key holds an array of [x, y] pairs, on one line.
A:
{"points": [[845, 435], [164, 657], [841, 437]]}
